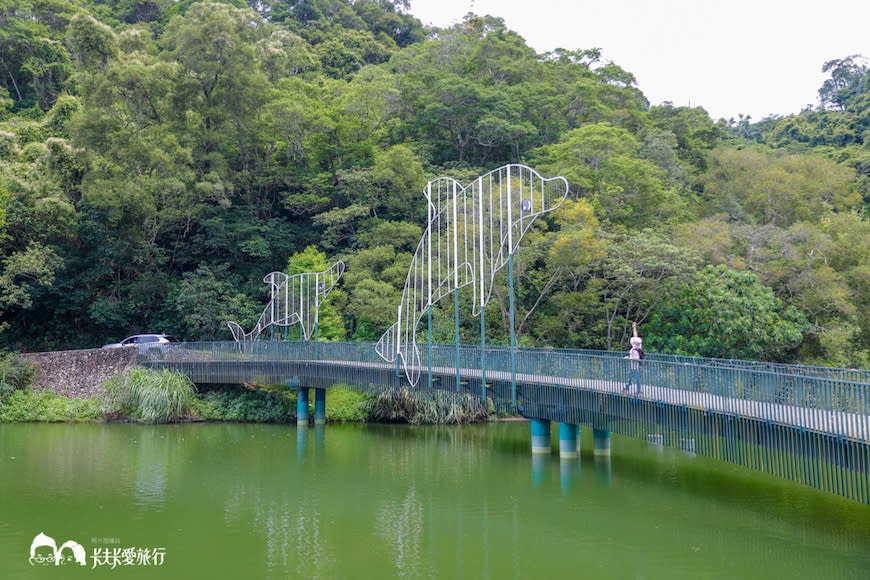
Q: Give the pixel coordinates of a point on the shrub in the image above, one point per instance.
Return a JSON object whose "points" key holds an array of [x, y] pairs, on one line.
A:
{"points": [[346, 406], [27, 405], [235, 403], [419, 408], [15, 373], [148, 395]]}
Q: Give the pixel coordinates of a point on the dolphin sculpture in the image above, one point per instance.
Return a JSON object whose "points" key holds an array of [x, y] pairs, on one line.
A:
{"points": [[294, 299], [472, 231]]}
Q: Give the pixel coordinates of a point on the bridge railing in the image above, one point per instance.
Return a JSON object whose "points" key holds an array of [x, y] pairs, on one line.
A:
{"points": [[836, 373]]}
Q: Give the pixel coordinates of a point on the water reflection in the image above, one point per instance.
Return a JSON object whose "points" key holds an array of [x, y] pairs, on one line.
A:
{"points": [[540, 465], [301, 441], [382, 501], [569, 469], [319, 438], [151, 460], [604, 469], [400, 524], [312, 554]]}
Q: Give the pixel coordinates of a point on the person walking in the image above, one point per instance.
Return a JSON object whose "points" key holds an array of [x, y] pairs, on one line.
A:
{"points": [[635, 355]]}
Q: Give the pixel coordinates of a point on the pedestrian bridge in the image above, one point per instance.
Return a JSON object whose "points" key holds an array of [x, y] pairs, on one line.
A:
{"points": [[806, 424]]}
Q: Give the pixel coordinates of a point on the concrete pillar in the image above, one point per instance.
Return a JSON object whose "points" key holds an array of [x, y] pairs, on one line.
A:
{"points": [[601, 442], [568, 440], [302, 406], [319, 406], [540, 436]]}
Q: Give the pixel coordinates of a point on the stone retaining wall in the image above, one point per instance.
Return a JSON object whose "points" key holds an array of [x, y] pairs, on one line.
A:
{"points": [[79, 373]]}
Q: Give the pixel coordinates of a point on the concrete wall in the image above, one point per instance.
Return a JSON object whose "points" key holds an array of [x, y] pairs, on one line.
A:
{"points": [[79, 373]]}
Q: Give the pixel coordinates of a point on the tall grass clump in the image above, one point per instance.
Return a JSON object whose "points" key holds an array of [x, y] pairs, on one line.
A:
{"points": [[421, 408], [148, 395]]}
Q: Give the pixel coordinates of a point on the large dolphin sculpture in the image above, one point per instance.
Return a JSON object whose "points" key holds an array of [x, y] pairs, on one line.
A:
{"points": [[295, 299], [472, 231]]}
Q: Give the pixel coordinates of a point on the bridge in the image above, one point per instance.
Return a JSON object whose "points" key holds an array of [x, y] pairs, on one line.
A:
{"points": [[806, 424]]}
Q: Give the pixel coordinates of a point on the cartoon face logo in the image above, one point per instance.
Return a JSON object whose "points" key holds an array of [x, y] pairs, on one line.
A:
{"points": [[44, 552]]}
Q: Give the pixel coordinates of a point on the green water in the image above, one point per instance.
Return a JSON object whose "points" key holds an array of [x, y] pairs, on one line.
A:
{"points": [[351, 501]]}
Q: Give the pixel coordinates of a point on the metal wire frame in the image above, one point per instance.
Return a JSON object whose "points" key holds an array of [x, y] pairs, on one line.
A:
{"points": [[294, 299], [471, 233]]}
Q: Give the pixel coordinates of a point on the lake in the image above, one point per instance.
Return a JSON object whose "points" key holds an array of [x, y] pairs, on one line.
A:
{"points": [[395, 501]]}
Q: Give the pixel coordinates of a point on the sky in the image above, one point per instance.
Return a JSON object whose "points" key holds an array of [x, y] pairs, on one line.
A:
{"points": [[757, 58]]}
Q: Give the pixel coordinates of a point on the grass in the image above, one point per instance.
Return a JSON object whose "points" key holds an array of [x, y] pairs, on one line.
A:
{"points": [[149, 396], [26, 405], [430, 408]]}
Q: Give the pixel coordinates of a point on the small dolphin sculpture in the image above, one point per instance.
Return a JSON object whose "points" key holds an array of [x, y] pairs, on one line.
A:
{"points": [[295, 299]]}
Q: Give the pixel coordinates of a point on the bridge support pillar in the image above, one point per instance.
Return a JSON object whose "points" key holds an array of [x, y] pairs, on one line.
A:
{"points": [[302, 406], [569, 440], [540, 436], [319, 406], [601, 441]]}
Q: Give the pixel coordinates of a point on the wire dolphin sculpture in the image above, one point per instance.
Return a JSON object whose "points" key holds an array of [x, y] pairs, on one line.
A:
{"points": [[472, 231], [295, 299]]}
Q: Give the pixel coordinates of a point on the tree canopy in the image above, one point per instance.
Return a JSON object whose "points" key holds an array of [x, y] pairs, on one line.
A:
{"points": [[158, 159]]}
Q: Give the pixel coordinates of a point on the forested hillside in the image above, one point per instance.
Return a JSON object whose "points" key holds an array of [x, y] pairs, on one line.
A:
{"points": [[158, 158]]}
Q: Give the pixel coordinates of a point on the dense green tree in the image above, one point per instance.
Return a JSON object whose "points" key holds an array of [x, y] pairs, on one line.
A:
{"points": [[205, 300], [602, 162], [721, 313], [756, 186]]}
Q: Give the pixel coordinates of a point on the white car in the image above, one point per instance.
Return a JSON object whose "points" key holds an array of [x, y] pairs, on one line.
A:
{"points": [[145, 342]]}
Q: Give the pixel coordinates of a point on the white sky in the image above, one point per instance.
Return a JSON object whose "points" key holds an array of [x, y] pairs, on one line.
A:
{"points": [[760, 57]]}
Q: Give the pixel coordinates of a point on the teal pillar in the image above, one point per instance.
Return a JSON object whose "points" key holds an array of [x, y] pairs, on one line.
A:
{"points": [[568, 440], [540, 436], [319, 406], [302, 406], [601, 442]]}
